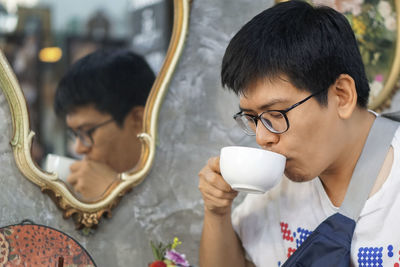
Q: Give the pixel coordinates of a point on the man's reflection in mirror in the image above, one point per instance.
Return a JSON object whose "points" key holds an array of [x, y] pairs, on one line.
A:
{"points": [[102, 99]]}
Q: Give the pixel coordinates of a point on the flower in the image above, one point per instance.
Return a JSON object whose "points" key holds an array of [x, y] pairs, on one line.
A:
{"points": [[376, 86], [352, 6], [358, 26], [330, 3], [177, 258], [158, 264], [176, 243], [167, 256], [379, 78], [390, 23], [384, 8]]}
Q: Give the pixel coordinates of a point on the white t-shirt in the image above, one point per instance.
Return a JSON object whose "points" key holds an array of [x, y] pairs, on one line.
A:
{"points": [[273, 225]]}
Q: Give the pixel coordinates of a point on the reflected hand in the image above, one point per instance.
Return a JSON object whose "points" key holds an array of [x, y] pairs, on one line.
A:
{"points": [[91, 178], [217, 194]]}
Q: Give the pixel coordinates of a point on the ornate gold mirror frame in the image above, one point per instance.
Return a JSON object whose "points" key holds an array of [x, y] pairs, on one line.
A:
{"points": [[382, 98], [89, 214]]}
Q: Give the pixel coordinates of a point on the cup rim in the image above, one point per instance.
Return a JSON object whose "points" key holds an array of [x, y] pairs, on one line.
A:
{"points": [[258, 149], [59, 156]]}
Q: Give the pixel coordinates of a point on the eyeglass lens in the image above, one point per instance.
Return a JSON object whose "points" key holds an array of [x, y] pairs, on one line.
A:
{"points": [[83, 137], [272, 120], [275, 121]]}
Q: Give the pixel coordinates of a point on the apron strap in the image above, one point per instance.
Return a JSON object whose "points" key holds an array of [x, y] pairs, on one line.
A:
{"points": [[368, 166]]}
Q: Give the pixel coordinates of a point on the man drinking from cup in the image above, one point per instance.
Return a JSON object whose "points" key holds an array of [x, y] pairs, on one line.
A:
{"points": [[102, 99], [303, 94]]}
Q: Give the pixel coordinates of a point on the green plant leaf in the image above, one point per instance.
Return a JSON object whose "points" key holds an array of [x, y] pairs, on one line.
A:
{"points": [[158, 256]]}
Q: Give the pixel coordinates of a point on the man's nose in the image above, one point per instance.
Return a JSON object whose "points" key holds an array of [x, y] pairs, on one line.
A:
{"points": [[80, 148], [264, 137]]}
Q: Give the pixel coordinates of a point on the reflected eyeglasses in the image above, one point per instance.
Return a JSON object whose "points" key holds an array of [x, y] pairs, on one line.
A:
{"points": [[86, 136]]}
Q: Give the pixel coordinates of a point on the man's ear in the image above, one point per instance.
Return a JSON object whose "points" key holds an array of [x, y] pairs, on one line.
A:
{"points": [[345, 92], [135, 118]]}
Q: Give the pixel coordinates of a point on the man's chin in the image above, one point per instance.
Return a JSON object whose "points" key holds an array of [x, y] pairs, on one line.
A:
{"points": [[296, 177]]}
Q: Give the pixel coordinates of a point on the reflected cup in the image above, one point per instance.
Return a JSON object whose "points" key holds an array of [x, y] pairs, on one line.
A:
{"points": [[251, 170], [58, 164]]}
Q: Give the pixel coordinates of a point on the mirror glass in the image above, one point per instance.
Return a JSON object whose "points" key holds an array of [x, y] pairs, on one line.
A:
{"points": [[45, 41]]}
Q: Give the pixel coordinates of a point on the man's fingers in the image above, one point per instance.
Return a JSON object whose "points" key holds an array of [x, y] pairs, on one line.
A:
{"points": [[214, 179], [227, 197], [217, 193], [72, 179], [75, 166], [213, 163], [210, 189]]}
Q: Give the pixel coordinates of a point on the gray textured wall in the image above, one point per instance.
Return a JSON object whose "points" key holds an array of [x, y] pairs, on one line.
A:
{"points": [[194, 123]]}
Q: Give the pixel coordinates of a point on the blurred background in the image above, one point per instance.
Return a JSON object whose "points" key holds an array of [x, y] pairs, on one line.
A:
{"points": [[42, 38]]}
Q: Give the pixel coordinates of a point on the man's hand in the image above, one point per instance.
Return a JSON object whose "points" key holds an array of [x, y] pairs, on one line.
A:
{"points": [[217, 194], [219, 245], [90, 179]]}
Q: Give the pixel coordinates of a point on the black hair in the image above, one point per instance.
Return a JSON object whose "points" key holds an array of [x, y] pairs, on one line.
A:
{"points": [[114, 81], [311, 46]]}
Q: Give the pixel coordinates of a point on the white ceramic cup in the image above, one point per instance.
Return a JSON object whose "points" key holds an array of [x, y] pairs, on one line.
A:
{"points": [[251, 170], [58, 164]]}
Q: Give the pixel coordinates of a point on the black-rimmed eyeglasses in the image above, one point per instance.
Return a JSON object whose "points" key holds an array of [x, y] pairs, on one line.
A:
{"points": [[275, 121], [86, 136]]}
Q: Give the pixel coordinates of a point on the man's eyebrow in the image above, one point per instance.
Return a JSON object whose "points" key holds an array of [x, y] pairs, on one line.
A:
{"points": [[245, 109], [83, 125], [265, 106]]}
